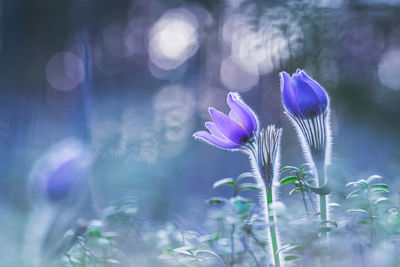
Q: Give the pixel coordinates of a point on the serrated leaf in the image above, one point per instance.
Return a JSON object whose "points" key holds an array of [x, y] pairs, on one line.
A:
{"points": [[291, 258], [373, 178], [289, 179], [353, 194], [225, 181], [245, 175], [248, 186]]}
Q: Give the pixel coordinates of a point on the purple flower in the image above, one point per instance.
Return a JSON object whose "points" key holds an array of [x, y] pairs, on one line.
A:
{"points": [[302, 96], [233, 131], [61, 171]]}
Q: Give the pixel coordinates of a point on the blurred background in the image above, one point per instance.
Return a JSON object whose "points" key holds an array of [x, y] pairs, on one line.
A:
{"points": [[133, 80]]}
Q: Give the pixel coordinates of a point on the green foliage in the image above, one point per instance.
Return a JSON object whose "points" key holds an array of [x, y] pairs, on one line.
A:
{"points": [[365, 223]]}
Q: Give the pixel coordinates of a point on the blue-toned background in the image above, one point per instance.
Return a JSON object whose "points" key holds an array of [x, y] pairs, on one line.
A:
{"points": [[134, 79]]}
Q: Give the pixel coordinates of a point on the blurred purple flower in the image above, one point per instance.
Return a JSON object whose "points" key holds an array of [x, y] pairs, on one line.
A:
{"points": [[233, 131], [302, 96], [61, 171]]}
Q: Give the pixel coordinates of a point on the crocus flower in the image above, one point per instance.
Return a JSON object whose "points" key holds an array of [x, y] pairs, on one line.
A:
{"points": [[233, 131], [239, 130], [302, 96], [307, 105], [61, 171]]}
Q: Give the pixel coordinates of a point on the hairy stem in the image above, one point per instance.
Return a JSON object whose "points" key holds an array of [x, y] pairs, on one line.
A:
{"points": [[271, 222], [320, 166], [232, 246]]}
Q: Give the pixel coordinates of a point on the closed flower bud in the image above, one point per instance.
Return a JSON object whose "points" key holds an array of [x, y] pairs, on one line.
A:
{"points": [[302, 96], [61, 171]]}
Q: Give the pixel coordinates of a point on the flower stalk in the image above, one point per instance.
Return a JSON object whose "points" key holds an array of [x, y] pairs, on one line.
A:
{"points": [[265, 154]]}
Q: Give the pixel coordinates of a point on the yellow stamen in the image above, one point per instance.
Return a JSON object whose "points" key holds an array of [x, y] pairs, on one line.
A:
{"points": [[240, 123]]}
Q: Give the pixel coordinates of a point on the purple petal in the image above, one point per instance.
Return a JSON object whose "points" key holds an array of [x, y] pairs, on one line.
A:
{"points": [[214, 130], [318, 89], [242, 113], [216, 141], [63, 180], [229, 128], [288, 96], [233, 116], [306, 96]]}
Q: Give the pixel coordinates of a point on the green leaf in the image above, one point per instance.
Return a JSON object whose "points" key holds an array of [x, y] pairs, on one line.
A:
{"points": [[373, 178], [293, 191], [215, 200], [353, 194], [384, 186], [240, 204], [287, 248], [303, 167], [289, 179], [248, 186], [286, 168], [95, 232], [333, 223], [324, 229], [378, 190], [323, 190], [291, 257], [185, 250], [379, 200], [197, 252], [245, 175], [352, 184], [357, 210], [225, 181], [363, 183], [333, 204]]}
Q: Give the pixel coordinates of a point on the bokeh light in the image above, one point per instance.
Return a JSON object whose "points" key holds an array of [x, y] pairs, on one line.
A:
{"points": [[389, 69], [173, 39], [65, 71], [236, 77]]}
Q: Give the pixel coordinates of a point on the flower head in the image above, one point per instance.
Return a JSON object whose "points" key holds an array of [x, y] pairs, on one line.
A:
{"points": [[60, 171], [233, 131], [302, 96], [268, 152]]}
